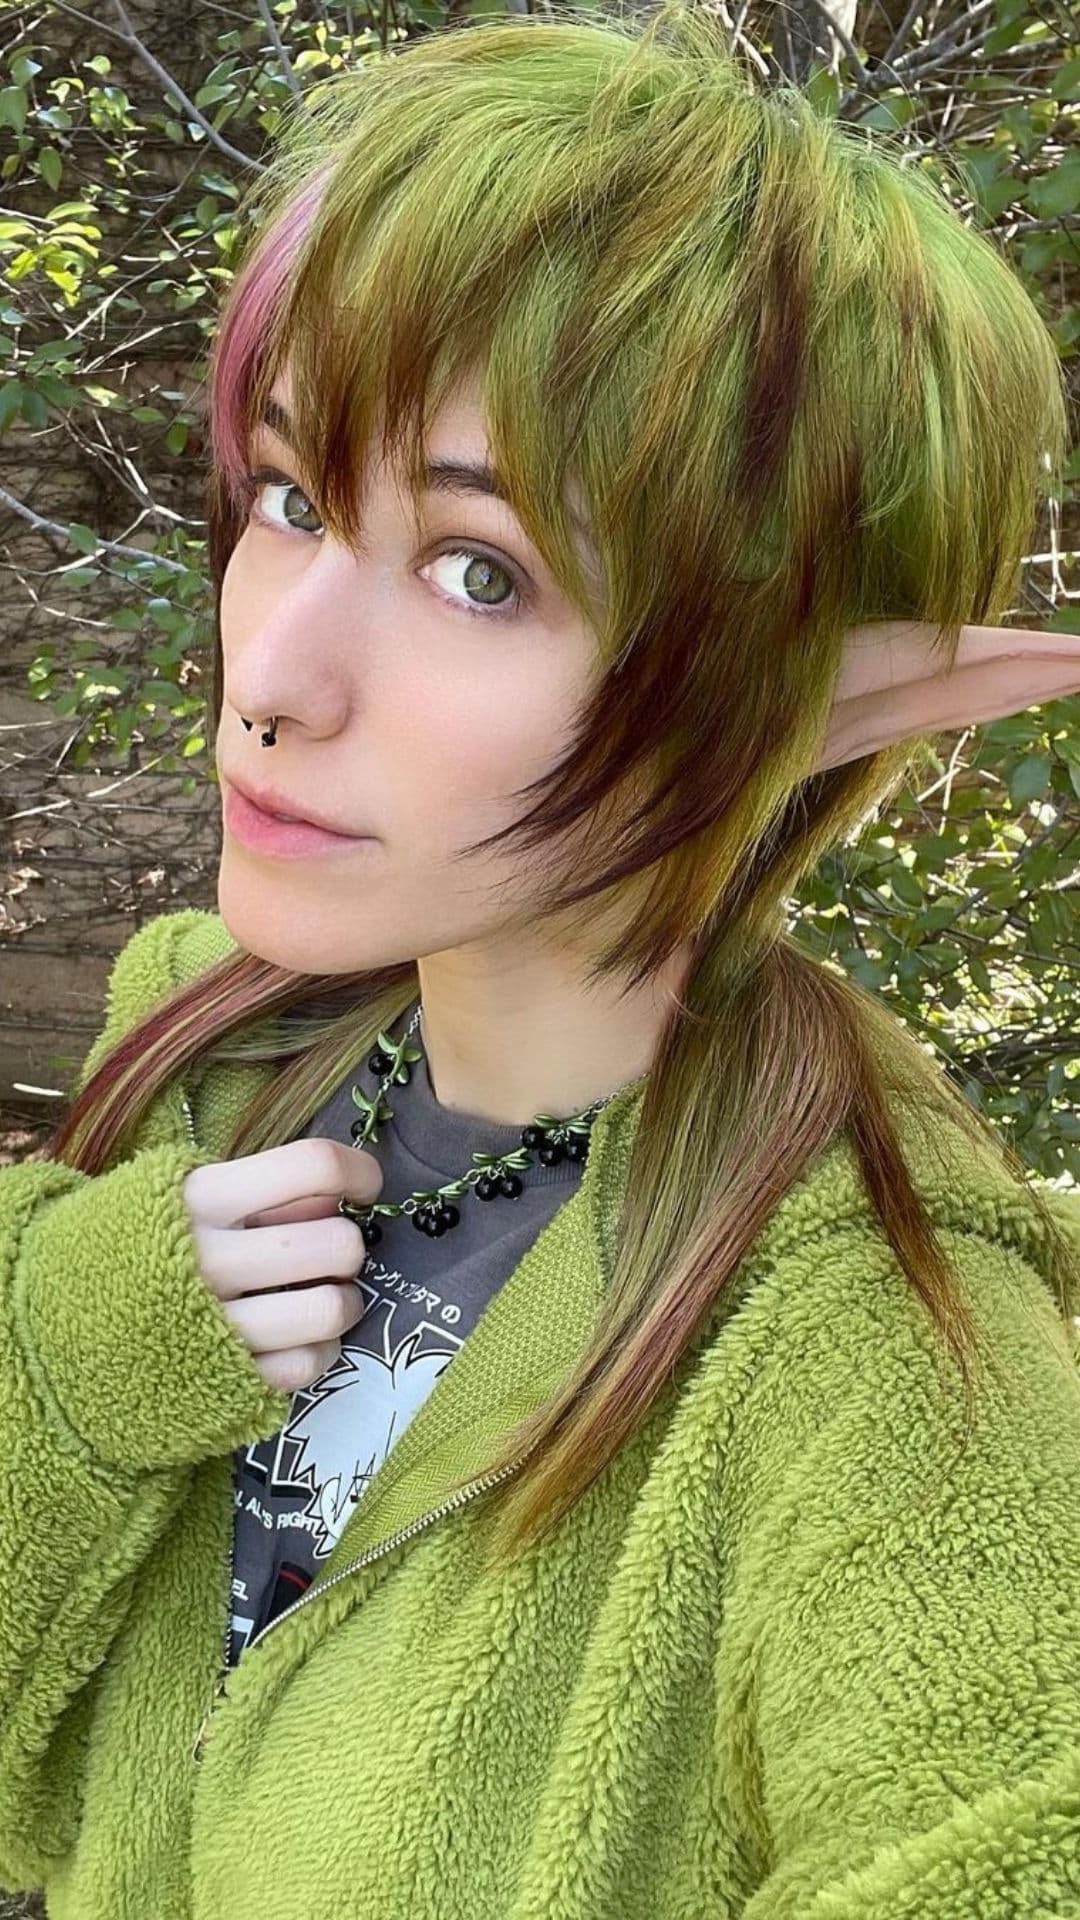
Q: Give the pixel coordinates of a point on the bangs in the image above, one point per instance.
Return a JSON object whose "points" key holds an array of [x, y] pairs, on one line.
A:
{"points": [[436, 229]]}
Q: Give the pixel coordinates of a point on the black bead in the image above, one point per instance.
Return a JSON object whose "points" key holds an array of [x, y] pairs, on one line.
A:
{"points": [[486, 1187], [510, 1185], [378, 1061], [551, 1155], [576, 1148], [372, 1233], [356, 1131], [450, 1214], [533, 1136]]}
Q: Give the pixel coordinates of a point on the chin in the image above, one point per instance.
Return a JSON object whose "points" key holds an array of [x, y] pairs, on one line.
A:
{"points": [[264, 922]]}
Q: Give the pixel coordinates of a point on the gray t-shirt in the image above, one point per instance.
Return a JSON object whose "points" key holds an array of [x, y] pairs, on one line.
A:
{"points": [[294, 1492]]}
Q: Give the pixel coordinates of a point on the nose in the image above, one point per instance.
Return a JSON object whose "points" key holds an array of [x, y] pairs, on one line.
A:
{"points": [[286, 650]]}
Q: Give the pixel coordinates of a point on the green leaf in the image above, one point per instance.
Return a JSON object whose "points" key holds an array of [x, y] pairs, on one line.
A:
{"points": [[12, 108], [50, 351], [11, 398], [1028, 779], [50, 166], [1058, 192], [59, 392], [83, 537], [176, 438], [905, 887], [871, 973], [980, 976], [1003, 37], [209, 96], [890, 110]]}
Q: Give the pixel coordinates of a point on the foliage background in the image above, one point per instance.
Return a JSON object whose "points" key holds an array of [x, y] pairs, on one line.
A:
{"points": [[126, 139]]}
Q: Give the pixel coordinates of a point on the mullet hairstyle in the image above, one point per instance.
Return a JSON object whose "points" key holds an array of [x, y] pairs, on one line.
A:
{"points": [[799, 394]]}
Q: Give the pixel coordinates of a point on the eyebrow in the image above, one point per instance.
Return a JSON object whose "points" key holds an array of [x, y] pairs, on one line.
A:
{"points": [[460, 477]]}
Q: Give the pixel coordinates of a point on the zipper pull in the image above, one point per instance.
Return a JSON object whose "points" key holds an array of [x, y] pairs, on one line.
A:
{"points": [[200, 1737]]}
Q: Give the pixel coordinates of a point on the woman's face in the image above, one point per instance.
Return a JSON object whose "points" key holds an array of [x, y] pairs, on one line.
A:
{"points": [[415, 687]]}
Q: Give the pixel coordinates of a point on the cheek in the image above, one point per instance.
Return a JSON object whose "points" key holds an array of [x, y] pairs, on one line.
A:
{"points": [[470, 746]]}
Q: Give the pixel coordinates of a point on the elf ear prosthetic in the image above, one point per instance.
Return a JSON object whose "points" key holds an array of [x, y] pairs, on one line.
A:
{"points": [[891, 685]]}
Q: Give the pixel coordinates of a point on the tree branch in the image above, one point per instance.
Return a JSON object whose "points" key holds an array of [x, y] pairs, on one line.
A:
{"points": [[104, 546], [275, 41]]}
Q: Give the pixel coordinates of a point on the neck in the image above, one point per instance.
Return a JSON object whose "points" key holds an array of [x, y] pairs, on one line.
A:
{"points": [[508, 1036]]}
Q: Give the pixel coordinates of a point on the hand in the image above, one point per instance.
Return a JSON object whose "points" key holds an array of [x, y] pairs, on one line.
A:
{"points": [[266, 1227]]}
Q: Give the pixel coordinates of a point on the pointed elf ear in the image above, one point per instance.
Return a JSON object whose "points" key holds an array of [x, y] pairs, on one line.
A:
{"points": [[892, 683]]}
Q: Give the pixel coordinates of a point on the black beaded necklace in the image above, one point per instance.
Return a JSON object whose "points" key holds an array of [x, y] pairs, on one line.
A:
{"points": [[492, 1176]]}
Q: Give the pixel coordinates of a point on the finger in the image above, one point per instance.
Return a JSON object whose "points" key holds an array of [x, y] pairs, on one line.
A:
{"points": [[289, 1320], [296, 1367], [318, 1206], [227, 1192], [258, 1259]]}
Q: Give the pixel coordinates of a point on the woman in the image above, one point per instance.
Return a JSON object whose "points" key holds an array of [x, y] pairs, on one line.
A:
{"points": [[734, 1565]]}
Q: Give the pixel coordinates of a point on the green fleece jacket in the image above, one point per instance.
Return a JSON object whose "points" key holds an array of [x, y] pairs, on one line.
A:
{"points": [[789, 1656]]}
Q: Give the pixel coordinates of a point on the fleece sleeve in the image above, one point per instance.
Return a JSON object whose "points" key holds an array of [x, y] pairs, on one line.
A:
{"points": [[911, 1661], [119, 1370]]}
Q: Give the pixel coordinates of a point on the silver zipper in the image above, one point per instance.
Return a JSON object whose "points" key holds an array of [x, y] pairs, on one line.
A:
{"points": [[458, 1499]]}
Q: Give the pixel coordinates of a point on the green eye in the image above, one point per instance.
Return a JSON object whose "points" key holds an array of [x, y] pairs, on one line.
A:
{"points": [[269, 481], [476, 578]]}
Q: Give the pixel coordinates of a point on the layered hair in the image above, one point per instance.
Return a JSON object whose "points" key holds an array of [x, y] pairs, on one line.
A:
{"points": [[798, 394]]}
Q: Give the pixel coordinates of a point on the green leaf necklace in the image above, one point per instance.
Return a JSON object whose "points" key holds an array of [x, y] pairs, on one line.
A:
{"points": [[491, 1176]]}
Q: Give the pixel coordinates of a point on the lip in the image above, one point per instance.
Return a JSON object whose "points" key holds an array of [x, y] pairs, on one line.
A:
{"points": [[256, 827]]}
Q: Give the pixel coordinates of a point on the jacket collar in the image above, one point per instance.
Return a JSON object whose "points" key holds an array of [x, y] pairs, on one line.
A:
{"points": [[528, 1339]]}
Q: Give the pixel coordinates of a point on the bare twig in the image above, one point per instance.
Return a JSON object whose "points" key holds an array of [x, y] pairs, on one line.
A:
{"points": [[832, 25], [276, 42], [104, 546]]}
